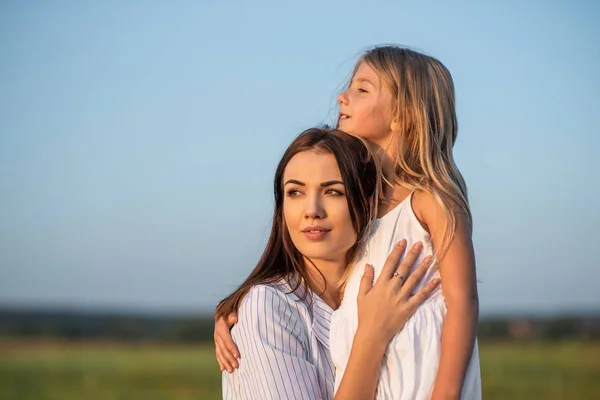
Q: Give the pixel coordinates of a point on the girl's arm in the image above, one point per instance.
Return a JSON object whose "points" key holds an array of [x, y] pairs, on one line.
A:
{"points": [[226, 351], [459, 284]]}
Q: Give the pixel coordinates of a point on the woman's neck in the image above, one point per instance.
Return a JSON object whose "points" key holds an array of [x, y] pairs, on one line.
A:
{"points": [[325, 276]]}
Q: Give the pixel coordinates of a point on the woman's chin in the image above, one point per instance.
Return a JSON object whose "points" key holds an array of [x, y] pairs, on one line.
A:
{"points": [[325, 256]]}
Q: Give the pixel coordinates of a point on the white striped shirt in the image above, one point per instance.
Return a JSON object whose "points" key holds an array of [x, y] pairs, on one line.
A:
{"points": [[284, 346]]}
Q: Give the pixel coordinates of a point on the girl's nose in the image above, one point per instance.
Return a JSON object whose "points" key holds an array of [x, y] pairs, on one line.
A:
{"points": [[342, 99]]}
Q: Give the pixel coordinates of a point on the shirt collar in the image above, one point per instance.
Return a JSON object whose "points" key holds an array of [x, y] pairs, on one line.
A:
{"points": [[321, 319], [319, 310]]}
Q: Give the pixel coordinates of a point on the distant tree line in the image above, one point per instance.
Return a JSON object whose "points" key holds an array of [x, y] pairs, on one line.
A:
{"points": [[91, 326], [549, 328]]}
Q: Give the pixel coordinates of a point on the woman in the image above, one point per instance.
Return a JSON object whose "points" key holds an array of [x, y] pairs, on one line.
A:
{"points": [[325, 197]]}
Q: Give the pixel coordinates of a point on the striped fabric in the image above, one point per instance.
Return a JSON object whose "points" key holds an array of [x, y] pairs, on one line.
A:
{"points": [[284, 347]]}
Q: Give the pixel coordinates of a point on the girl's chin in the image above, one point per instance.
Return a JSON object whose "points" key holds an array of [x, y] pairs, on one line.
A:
{"points": [[344, 125]]}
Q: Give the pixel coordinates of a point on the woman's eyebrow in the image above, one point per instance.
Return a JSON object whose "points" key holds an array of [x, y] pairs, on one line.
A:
{"points": [[294, 182], [330, 183]]}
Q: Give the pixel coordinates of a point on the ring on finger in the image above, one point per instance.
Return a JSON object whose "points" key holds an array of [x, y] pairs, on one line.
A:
{"points": [[397, 275]]}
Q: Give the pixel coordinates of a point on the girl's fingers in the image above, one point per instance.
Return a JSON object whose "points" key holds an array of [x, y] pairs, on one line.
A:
{"points": [[221, 366], [415, 277], [231, 347], [217, 348], [221, 325], [225, 365], [222, 331], [226, 342], [391, 263], [232, 319], [231, 358], [424, 293], [226, 354]]}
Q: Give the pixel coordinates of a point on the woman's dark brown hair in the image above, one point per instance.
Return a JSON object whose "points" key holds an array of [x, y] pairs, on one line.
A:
{"points": [[281, 258]]}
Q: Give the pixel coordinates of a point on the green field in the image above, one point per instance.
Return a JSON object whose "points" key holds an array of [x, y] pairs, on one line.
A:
{"points": [[53, 371]]}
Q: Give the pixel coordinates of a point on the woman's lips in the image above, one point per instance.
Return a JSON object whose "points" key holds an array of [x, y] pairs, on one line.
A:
{"points": [[316, 233]]}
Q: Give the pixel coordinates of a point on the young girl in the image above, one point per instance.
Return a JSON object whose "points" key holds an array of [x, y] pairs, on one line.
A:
{"points": [[402, 103]]}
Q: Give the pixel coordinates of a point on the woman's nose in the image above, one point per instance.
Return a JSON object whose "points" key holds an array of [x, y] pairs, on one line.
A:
{"points": [[314, 208]]}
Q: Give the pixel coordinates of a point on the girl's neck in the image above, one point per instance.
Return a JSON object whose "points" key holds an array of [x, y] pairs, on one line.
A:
{"points": [[386, 153], [332, 272]]}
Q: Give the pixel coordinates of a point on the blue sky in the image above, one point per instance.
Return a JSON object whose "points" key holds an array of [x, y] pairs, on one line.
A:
{"points": [[138, 140]]}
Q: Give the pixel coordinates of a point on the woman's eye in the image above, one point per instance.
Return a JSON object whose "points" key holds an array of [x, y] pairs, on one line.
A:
{"points": [[334, 192], [293, 192], [361, 90]]}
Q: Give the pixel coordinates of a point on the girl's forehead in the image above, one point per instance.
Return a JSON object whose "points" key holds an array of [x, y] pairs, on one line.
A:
{"points": [[364, 71]]}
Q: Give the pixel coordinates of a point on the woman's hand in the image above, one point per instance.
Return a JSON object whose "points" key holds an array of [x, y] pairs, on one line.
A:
{"points": [[384, 308], [227, 351]]}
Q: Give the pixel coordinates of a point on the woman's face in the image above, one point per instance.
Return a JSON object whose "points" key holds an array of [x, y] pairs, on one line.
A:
{"points": [[366, 106], [315, 208]]}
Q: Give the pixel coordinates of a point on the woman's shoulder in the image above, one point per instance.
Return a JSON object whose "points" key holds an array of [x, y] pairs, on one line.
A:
{"points": [[273, 302], [277, 296], [263, 290]]}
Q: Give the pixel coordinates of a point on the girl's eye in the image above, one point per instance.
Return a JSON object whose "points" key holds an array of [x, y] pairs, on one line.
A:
{"points": [[293, 192], [361, 90], [334, 192]]}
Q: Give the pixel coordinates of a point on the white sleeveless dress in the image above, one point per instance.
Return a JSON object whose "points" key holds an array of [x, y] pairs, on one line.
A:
{"points": [[411, 360]]}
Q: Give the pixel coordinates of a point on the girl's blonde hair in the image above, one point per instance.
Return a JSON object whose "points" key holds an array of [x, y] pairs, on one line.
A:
{"points": [[424, 111]]}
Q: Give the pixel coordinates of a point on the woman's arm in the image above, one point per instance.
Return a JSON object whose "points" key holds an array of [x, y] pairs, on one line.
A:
{"points": [[274, 340], [383, 309], [228, 355], [459, 283]]}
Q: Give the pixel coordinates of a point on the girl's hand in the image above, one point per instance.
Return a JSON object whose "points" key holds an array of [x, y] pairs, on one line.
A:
{"points": [[227, 351], [384, 308]]}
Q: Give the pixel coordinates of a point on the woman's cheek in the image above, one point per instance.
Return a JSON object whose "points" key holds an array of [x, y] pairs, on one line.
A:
{"points": [[290, 214], [345, 227]]}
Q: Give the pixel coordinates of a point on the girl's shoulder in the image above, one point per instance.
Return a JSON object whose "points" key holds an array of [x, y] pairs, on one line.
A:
{"points": [[427, 207], [424, 207], [432, 215]]}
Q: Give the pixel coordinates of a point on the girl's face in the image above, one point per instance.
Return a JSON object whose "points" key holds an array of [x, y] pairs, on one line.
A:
{"points": [[366, 107], [315, 208]]}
